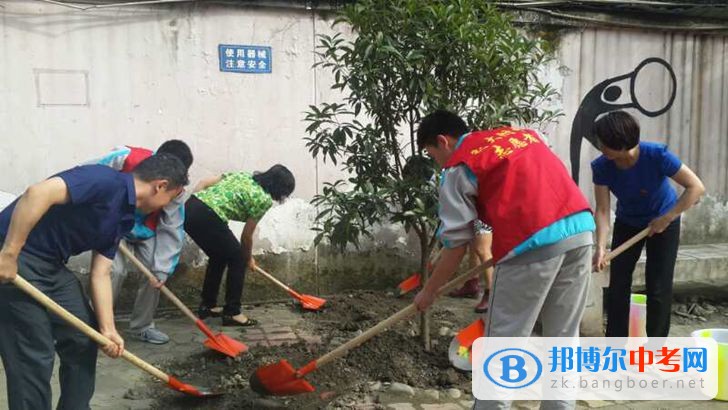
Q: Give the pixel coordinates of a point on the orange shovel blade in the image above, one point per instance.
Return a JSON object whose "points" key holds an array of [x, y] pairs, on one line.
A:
{"points": [[312, 302], [221, 342], [410, 283], [279, 379], [460, 351], [467, 336], [226, 345], [191, 390]]}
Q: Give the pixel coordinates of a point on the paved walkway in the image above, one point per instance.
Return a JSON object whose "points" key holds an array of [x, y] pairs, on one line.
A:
{"points": [[115, 377]]}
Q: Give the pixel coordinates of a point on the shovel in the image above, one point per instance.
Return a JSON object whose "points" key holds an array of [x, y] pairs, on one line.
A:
{"points": [[97, 337], [461, 344], [627, 244], [215, 341], [282, 379], [414, 281], [307, 301], [460, 348]]}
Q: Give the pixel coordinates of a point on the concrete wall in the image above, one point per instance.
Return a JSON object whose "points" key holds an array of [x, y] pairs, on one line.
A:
{"points": [[73, 84]]}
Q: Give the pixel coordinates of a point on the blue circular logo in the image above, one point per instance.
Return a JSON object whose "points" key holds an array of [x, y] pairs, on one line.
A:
{"points": [[516, 366]]}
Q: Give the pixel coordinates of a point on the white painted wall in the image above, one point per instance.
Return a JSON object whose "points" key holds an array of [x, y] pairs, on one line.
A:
{"points": [[6, 199], [152, 74], [141, 75]]}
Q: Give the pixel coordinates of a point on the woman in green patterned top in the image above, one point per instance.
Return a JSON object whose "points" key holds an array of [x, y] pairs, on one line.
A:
{"points": [[238, 196]]}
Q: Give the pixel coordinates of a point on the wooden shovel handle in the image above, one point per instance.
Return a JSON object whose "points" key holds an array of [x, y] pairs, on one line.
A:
{"points": [[274, 280], [97, 337], [165, 290], [628, 244], [434, 257], [402, 314], [450, 286]]}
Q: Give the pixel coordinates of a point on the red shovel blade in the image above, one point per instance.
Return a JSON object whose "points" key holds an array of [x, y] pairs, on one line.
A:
{"points": [[279, 379], [221, 342], [410, 283], [191, 390]]}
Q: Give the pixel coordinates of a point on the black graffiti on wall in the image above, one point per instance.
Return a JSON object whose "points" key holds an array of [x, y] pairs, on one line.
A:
{"points": [[603, 98]]}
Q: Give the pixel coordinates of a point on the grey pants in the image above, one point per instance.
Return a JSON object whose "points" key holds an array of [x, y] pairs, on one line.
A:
{"points": [[30, 337], [147, 297], [556, 289]]}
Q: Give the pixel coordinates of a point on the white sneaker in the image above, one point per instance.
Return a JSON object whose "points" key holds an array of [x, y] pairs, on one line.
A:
{"points": [[152, 335]]}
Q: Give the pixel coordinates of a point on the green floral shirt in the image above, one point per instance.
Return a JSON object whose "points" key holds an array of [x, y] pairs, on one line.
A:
{"points": [[238, 197]]}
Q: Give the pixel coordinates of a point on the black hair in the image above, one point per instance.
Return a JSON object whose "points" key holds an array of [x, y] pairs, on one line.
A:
{"points": [[179, 149], [163, 166], [278, 181], [440, 122], [618, 131]]}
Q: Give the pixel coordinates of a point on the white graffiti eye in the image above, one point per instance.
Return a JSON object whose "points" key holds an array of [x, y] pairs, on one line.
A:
{"points": [[653, 87]]}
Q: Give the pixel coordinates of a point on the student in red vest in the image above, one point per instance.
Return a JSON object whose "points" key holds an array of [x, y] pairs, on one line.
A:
{"points": [[418, 168], [638, 174], [542, 226], [157, 240]]}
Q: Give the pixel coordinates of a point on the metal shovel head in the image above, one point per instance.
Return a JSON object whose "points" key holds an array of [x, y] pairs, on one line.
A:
{"points": [[309, 302], [461, 346], [192, 390], [459, 355], [279, 379], [221, 342], [410, 283]]}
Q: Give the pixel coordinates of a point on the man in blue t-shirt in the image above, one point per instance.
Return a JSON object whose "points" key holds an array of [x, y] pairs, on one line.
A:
{"points": [[638, 174], [85, 208]]}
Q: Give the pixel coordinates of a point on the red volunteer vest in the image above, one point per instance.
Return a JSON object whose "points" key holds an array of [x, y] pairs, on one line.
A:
{"points": [[137, 155], [523, 187]]}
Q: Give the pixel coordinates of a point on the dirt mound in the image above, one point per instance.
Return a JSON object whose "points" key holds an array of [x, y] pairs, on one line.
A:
{"points": [[395, 356]]}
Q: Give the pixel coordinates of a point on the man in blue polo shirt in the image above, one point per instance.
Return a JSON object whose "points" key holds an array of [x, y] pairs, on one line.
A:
{"points": [[85, 208]]}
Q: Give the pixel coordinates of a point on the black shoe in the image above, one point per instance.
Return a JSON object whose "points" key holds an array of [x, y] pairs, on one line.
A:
{"points": [[229, 320]]}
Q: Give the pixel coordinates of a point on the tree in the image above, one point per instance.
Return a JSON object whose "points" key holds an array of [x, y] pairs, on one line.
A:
{"points": [[407, 58]]}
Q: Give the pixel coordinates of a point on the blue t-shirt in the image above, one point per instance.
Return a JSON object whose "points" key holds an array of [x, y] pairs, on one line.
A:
{"points": [[643, 191], [100, 211]]}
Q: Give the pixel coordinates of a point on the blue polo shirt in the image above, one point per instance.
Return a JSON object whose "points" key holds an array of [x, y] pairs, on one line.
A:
{"points": [[100, 211], [643, 191]]}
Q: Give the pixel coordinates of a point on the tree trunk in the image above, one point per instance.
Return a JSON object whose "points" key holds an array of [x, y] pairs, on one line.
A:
{"points": [[425, 325], [425, 316]]}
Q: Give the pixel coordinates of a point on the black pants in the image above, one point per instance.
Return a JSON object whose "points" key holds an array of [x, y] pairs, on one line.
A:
{"points": [[30, 336], [659, 270], [216, 239]]}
